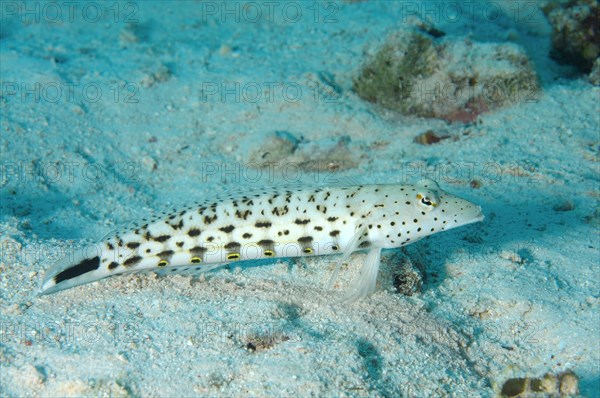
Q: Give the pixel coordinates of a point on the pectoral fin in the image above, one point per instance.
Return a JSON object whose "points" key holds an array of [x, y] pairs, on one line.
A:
{"points": [[365, 282]]}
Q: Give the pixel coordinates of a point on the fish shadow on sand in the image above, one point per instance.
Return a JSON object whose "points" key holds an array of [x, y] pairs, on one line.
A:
{"points": [[510, 230]]}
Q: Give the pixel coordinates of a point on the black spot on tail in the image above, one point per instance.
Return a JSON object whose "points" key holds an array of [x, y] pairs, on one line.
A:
{"points": [[87, 265]]}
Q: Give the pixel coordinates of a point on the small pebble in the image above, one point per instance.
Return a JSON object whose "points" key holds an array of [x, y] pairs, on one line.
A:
{"points": [[569, 383], [148, 163], [429, 137], [566, 205], [546, 384], [515, 387], [476, 184]]}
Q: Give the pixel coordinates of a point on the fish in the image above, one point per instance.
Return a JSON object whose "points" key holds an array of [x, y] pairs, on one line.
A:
{"points": [[278, 222]]}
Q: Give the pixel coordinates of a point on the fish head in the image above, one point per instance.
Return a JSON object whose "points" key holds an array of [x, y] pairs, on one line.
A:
{"points": [[421, 210], [441, 210]]}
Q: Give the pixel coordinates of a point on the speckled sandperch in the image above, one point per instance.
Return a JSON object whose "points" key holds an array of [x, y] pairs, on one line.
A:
{"points": [[272, 223]]}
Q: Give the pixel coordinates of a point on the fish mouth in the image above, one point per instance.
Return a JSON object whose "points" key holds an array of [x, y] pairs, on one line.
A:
{"points": [[477, 218], [480, 216], [474, 215]]}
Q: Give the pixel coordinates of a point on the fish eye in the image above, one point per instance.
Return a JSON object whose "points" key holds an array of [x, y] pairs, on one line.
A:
{"points": [[426, 202]]}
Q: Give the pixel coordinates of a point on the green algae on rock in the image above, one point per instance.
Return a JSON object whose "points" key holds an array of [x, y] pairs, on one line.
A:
{"points": [[594, 76], [417, 73], [575, 32]]}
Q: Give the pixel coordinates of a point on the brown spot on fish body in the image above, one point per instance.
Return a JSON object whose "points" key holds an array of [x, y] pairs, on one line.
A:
{"points": [[130, 262], [179, 225], [210, 219], [227, 229], [263, 224], [280, 211], [305, 239], [233, 246], [133, 245], [162, 238], [306, 244], [242, 214], [165, 255], [198, 251], [322, 209], [268, 247], [194, 232]]}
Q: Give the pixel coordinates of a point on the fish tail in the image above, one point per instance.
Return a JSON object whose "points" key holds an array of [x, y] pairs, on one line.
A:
{"points": [[76, 268]]}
